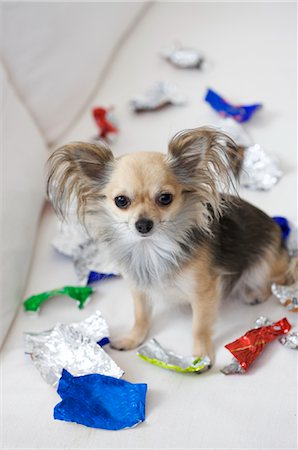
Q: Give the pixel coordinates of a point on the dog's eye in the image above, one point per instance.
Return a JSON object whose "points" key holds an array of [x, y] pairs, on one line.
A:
{"points": [[122, 201], [165, 199]]}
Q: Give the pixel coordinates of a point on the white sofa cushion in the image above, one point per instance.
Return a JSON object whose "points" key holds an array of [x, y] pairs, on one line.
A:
{"points": [[55, 54], [23, 157]]}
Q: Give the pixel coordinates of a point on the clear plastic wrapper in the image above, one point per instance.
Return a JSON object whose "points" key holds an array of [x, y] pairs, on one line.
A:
{"points": [[161, 94], [183, 57], [68, 347], [154, 353]]}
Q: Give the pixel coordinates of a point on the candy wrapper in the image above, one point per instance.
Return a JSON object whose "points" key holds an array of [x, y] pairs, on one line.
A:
{"points": [[290, 340], [287, 295], [78, 293], [260, 171], [257, 169], [183, 57], [246, 349], [85, 259], [160, 95], [240, 113], [70, 235], [154, 353], [95, 327], [89, 257], [284, 226], [106, 123], [73, 347], [99, 401]]}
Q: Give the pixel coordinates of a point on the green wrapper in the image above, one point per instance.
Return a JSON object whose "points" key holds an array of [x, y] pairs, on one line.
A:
{"points": [[154, 353], [79, 293]]}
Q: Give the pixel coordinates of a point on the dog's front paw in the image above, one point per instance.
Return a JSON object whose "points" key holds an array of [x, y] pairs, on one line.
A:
{"points": [[204, 348], [126, 343]]}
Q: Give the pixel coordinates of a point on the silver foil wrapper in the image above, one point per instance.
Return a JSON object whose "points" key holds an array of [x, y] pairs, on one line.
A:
{"points": [[72, 347], [287, 295], [232, 368], [183, 57], [162, 93], [87, 254], [153, 352], [260, 171], [290, 340], [69, 237], [262, 321]]}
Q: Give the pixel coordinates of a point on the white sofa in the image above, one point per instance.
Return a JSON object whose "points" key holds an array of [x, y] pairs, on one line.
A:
{"points": [[58, 61]]}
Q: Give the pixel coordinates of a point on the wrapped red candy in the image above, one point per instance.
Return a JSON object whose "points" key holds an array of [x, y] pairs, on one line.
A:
{"points": [[105, 122], [248, 347]]}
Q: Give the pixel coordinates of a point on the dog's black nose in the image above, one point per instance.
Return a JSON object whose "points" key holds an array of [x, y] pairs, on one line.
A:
{"points": [[144, 225]]}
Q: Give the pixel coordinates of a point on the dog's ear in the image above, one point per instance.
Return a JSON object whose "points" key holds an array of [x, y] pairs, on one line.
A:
{"points": [[204, 160], [78, 170]]}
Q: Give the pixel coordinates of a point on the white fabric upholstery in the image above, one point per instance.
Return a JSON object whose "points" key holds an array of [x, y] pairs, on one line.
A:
{"points": [[23, 158], [56, 54], [251, 49]]}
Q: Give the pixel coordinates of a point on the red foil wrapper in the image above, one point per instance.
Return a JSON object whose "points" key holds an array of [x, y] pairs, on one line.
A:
{"points": [[248, 347], [105, 125]]}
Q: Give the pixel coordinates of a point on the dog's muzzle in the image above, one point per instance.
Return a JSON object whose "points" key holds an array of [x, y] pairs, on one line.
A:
{"points": [[144, 226]]}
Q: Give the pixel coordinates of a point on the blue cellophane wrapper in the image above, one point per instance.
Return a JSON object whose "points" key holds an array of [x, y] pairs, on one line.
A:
{"points": [[240, 113], [100, 401]]}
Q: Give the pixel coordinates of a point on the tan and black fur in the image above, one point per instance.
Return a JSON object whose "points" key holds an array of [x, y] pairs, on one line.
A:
{"points": [[202, 245]]}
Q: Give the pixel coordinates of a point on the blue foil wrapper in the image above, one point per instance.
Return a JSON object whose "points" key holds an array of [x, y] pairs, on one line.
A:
{"points": [[240, 113], [96, 276], [284, 225], [99, 401]]}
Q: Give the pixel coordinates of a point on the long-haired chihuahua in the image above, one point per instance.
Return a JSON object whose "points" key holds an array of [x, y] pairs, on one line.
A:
{"points": [[169, 228]]}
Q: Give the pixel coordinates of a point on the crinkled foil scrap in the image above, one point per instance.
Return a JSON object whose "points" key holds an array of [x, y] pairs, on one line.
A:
{"points": [[287, 295], [260, 171], [162, 94], [154, 353], [87, 254], [72, 347], [290, 340], [183, 57]]}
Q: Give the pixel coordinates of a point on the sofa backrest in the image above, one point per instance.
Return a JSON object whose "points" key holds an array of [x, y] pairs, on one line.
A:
{"points": [[44, 52]]}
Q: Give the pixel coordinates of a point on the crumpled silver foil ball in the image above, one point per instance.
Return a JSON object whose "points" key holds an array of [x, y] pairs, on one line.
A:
{"points": [[287, 295], [260, 171], [183, 57]]}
